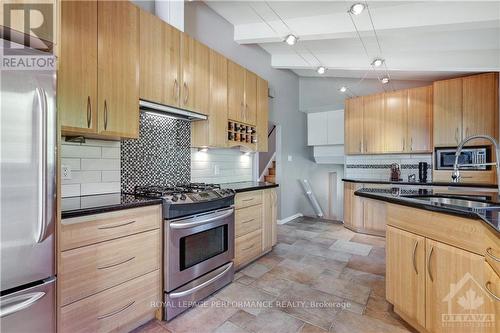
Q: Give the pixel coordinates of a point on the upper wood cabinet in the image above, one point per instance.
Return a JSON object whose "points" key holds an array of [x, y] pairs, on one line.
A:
{"points": [[213, 131], [405, 273], [419, 132], [353, 126], [195, 64], [262, 114], [250, 110], [159, 60], [77, 68], [98, 81], [373, 124], [395, 121], [447, 112], [464, 107], [236, 91]]}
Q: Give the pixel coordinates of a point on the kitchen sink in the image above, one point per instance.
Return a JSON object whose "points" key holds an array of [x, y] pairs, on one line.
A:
{"points": [[457, 202]]}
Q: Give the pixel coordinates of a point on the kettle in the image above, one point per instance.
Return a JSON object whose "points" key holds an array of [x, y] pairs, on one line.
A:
{"points": [[395, 172]]}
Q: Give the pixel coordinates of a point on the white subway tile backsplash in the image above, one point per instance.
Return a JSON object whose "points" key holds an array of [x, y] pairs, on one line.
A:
{"points": [[232, 166], [95, 167]]}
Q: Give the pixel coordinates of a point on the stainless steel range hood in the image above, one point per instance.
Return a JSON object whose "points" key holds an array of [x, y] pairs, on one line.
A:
{"points": [[170, 111]]}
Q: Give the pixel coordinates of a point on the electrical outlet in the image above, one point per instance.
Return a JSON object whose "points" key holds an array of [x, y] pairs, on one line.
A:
{"points": [[65, 172], [290, 158], [216, 170]]}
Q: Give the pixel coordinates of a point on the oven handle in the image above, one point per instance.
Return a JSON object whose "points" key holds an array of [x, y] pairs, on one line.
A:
{"points": [[194, 222], [201, 285]]}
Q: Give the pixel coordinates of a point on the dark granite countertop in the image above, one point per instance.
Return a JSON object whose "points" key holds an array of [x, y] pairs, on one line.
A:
{"points": [[95, 204], [402, 182], [248, 186], [405, 196]]}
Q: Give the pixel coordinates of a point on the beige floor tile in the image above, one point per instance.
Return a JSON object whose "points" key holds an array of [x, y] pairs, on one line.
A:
{"points": [[375, 241], [244, 279], [308, 328], [351, 247], [349, 322], [250, 299], [269, 321], [255, 270], [272, 283], [300, 272], [342, 288], [151, 327], [229, 327]]}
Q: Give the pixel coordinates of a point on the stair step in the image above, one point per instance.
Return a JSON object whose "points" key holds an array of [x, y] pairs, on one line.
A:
{"points": [[270, 179], [272, 171], [274, 164]]}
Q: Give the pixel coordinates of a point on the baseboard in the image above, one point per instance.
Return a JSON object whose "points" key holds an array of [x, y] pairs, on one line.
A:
{"points": [[290, 218]]}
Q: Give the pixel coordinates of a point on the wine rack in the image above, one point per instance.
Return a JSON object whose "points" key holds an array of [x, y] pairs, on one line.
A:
{"points": [[242, 133]]}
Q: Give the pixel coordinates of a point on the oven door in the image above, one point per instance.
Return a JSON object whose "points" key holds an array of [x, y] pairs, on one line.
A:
{"points": [[198, 245]]}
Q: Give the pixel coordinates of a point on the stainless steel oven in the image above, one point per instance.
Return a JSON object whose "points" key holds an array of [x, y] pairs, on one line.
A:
{"points": [[198, 257], [445, 158]]}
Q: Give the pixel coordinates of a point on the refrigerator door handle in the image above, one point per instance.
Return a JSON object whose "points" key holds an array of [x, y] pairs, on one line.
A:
{"points": [[19, 303]]}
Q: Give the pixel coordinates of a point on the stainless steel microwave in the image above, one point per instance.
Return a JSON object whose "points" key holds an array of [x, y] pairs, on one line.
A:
{"points": [[445, 158]]}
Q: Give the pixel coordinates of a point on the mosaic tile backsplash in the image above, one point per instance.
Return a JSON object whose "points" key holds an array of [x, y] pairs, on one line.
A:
{"points": [[378, 167], [160, 156]]}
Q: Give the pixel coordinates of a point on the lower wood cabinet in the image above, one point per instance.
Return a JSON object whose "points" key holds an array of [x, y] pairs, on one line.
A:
{"points": [[436, 286], [255, 225], [109, 270]]}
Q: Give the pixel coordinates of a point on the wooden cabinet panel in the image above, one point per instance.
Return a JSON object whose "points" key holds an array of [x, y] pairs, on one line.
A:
{"points": [[77, 72], [247, 199], [454, 279], [236, 91], [405, 273], [374, 216], [480, 106], [373, 124], [269, 219], [195, 75], [492, 287], [419, 138], [247, 248], [395, 121], [250, 113], [213, 131], [118, 68], [90, 269], [262, 115], [247, 220], [447, 108], [91, 229], [172, 65], [353, 126], [353, 207], [118, 309]]}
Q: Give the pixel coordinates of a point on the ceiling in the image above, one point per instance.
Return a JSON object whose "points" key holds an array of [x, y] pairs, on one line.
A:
{"points": [[419, 40]]}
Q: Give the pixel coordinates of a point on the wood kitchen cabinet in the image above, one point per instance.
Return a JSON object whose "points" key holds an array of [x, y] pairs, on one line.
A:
{"points": [[447, 118], [374, 216], [250, 110], [353, 125], [353, 207], [262, 114], [159, 60], [419, 122], [395, 121], [405, 273], [195, 69], [213, 131], [242, 94], [373, 124], [98, 77]]}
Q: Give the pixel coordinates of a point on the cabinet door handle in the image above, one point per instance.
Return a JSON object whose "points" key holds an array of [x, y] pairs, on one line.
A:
{"points": [[251, 199], [116, 264], [89, 112], [490, 254], [244, 222], [414, 257], [248, 248], [105, 114], [466, 132], [116, 311], [411, 144], [112, 226], [186, 90], [487, 287], [429, 264], [360, 146], [403, 145], [456, 136], [175, 90]]}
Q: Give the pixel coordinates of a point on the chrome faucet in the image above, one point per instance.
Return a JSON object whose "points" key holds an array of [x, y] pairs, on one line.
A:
{"points": [[455, 176]]}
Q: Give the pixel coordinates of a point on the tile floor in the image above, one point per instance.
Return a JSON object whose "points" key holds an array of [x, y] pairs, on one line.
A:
{"points": [[320, 277]]}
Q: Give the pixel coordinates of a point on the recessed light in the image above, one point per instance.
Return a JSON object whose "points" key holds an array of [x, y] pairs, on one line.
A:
{"points": [[291, 39], [384, 80], [321, 70], [357, 8], [377, 62], [343, 89]]}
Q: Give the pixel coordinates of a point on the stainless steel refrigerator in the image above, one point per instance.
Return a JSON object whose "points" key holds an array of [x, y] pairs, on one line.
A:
{"points": [[27, 196]]}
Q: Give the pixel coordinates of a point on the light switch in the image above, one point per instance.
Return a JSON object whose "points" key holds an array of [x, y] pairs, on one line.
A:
{"points": [[290, 158], [216, 170]]}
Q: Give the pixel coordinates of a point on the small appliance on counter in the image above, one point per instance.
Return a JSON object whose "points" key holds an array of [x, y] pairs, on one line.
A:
{"points": [[395, 172], [476, 156], [422, 172]]}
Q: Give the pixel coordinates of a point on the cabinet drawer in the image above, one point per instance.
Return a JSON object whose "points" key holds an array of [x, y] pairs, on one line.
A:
{"points": [[247, 220], [492, 250], [248, 247], [91, 229], [247, 199], [121, 308], [91, 269]]}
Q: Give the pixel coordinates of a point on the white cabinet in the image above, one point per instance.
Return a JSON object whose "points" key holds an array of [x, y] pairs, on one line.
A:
{"points": [[325, 128]]}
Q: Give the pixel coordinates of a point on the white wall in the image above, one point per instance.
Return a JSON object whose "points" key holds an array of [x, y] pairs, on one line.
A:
{"points": [[95, 167], [220, 166]]}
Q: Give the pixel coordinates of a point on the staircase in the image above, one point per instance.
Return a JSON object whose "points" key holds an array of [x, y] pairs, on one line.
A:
{"points": [[271, 173]]}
